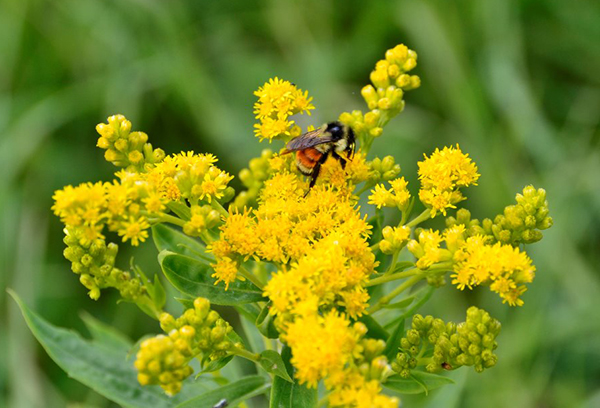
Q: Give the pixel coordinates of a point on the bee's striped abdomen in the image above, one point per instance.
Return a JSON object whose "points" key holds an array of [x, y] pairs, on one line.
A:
{"points": [[307, 159]]}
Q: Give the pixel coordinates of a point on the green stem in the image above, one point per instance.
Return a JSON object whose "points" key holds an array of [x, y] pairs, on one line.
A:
{"points": [[389, 297], [246, 354], [364, 188], [217, 206], [437, 268], [423, 361], [394, 276], [393, 263], [425, 215], [251, 277], [375, 247], [164, 218]]}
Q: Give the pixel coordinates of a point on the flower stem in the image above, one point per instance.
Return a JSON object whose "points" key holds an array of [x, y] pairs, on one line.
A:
{"points": [[164, 218], [393, 263], [251, 277], [217, 206], [425, 215], [364, 188], [386, 299], [245, 354], [394, 276]]}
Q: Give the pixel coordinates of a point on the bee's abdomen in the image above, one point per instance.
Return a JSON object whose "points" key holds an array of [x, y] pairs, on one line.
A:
{"points": [[307, 159]]}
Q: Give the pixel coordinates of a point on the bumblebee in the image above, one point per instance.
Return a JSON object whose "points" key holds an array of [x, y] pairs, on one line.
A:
{"points": [[314, 147]]}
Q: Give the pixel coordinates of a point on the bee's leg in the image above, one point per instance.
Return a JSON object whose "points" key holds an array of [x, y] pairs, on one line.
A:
{"points": [[315, 173], [339, 158]]}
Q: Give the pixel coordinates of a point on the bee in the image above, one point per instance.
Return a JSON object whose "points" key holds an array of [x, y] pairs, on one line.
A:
{"points": [[314, 147]]}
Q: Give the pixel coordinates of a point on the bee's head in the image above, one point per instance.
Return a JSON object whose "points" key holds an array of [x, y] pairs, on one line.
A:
{"points": [[343, 136], [336, 130]]}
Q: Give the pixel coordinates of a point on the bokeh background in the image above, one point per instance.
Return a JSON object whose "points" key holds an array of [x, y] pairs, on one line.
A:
{"points": [[515, 83]]}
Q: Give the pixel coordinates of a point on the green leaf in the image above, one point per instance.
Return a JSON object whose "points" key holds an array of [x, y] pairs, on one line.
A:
{"points": [[105, 370], [192, 277], [167, 238], [160, 295], [265, 323], [215, 365], [106, 335], [375, 331], [291, 395], [392, 343], [272, 362], [233, 393], [417, 383]]}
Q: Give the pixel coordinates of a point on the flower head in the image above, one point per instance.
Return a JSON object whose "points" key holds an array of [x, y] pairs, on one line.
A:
{"points": [[442, 174], [277, 101]]}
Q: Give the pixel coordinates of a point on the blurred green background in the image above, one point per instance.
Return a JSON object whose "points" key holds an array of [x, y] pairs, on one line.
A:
{"points": [[515, 83]]}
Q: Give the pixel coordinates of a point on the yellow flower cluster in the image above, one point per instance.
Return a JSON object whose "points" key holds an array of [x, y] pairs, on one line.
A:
{"points": [[398, 196], [199, 332], [384, 98], [193, 177], [330, 347], [357, 170], [505, 268], [277, 101], [126, 205], [442, 175], [394, 239], [136, 199], [475, 262], [123, 206], [285, 226], [125, 148]]}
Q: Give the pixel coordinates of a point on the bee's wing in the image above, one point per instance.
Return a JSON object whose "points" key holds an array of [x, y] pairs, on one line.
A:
{"points": [[308, 139]]}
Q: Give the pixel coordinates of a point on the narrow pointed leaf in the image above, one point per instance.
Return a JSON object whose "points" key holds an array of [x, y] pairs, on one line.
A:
{"points": [[105, 370], [176, 241], [106, 335], [193, 277], [272, 362]]}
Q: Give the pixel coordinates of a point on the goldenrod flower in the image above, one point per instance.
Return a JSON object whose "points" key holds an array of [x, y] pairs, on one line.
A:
{"points": [[394, 239], [504, 267], [442, 175], [397, 196], [277, 100], [134, 229], [226, 270], [321, 345], [427, 249]]}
